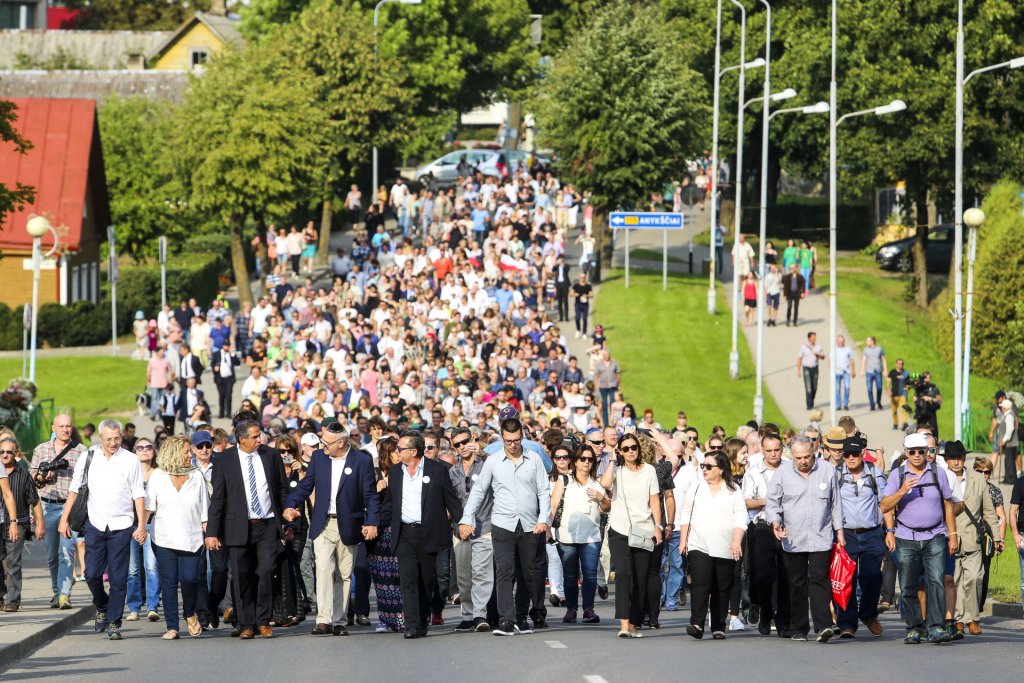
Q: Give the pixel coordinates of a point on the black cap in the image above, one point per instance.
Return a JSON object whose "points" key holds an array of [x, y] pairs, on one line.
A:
{"points": [[853, 445]]}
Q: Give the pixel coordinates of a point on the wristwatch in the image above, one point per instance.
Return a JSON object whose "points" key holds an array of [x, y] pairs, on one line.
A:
{"points": [[890, 531]]}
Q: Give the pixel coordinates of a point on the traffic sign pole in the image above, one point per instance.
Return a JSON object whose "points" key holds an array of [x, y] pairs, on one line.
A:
{"points": [[627, 259], [112, 276], [664, 260]]}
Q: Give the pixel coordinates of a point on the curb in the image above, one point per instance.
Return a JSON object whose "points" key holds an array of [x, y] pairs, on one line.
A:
{"points": [[9, 654], [1012, 610]]}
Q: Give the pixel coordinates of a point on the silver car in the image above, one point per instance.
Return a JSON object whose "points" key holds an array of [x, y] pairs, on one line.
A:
{"points": [[513, 159], [445, 169]]}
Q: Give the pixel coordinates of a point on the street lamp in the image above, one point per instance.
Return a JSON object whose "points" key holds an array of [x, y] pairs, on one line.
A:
{"points": [[960, 399], [36, 227], [376, 13], [973, 218], [734, 354]]}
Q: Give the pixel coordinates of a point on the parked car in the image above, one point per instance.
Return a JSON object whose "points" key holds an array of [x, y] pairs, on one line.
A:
{"points": [[445, 169], [513, 159], [899, 255]]}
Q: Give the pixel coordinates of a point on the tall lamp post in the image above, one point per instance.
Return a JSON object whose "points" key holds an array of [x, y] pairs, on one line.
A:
{"points": [[37, 226], [734, 354], [961, 402], [376, 16], [973, 218], [833, 128]]}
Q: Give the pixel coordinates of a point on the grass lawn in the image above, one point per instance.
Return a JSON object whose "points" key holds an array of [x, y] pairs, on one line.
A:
{"points": [[668, 365], [1004, 579], [652, 255], [96, 387]]}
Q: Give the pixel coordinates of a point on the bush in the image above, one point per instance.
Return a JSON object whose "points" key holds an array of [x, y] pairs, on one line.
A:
{"points": [[189, 274], [807, 218], [10, 327]]}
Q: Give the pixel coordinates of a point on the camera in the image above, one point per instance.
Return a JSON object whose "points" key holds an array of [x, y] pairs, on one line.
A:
{"points": [[53, 466], [917, 382]]}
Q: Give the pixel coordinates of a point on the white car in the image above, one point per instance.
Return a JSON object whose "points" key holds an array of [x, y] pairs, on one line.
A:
{"points": [[514, 159], [445, 169]]}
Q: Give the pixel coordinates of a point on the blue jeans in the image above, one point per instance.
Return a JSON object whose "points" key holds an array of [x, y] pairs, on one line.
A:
{"points": [[177, 567], [607, 396], [156, 397], [806, 272], [142, 557], [673, 572], [874, 380], [404, 222], [577, 556], [927, 559], [867, 550], [842, 389], [60, 552], [107, 551]]}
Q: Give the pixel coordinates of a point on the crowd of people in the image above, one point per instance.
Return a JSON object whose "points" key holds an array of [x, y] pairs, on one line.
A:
{"points": [[418, 425]]}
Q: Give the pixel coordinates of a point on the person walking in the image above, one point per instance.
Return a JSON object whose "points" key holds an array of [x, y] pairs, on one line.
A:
{"points": [[634, 529], [807, 361], [380, 554], [158, 379], [142, 559], [223, 363], [52, 469], [772, 294], [116, 502], [750, 298], [983, 466], [793, 289], [874, 367], [177, 503], [806, 514], [712, 540], [896, 382], [474, 558], [26, 507], [845, 370], [606, 381], [562, 286]]}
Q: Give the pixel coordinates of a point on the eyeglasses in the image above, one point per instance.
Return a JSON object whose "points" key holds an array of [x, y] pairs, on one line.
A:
{"points": [[428, 447], [560, 457], [986, 472], [144, 448], [460, 444], [852, 455], [933, 450], [586, 459], [203, 446], [630, 448], [916, 451], [8, 452], [513, 441], [705, 466], [287, 450]]}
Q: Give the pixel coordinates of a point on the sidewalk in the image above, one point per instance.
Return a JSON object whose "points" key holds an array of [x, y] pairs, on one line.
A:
{"points": [[36, 624]]}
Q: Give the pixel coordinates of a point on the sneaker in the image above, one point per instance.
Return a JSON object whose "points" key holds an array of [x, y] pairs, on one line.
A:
{"points": [[799, 637], [555, 600], [570, 617], [54, 602], [464, 626], [958, 631], [132, 616], [382, 628], [825, 634], [590, 617], [939, 636], [735, 624], [64, 602], [523, 627], [718, 635], [480, 625], [913, 637], [101, 621], [113, 632], [603, 592], [695, 631], [436, 620], [506, 628], [152, 615], [883, 607], [539, 624], [671, 607]]}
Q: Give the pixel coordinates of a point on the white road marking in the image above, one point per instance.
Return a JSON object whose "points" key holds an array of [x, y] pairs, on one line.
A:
{"points": [[555, 645], [594, 679]]}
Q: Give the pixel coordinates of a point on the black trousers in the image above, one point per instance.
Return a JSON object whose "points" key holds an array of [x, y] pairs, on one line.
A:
{"points": [[562, 294], [889, 566], [252, 574], [168, 421], [538, 591], [631, 567], [416, 569], [442, 579], [792, 309], [225, 388], [809, 581], [515, 555], [209, 596], [582, 313], [710, 577], [652, 589], [361, 580], [768, 576]]}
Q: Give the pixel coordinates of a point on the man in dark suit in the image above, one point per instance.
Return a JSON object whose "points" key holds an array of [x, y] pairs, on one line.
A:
{"points": [[424, 503], [562, 286], [189, 367], [346, 511], [223, 362], [191, 396], [249, 486], [792, 288]]}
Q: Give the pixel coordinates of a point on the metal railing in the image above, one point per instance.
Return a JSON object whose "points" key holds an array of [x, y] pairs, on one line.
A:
{"points": [[34, 426]]}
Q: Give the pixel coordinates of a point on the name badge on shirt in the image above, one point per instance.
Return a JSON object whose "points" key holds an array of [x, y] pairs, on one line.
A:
{"points": [[348, 470], [426, 479], [822, 486], [475, 477]]}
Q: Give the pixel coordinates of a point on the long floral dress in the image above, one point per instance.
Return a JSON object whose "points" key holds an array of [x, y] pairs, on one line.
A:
{"points": [[384, 571]]}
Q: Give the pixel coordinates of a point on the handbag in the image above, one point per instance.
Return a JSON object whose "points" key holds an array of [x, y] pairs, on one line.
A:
{"points": [[985, 540], [636, 539], [557, 520], [79, 513]]}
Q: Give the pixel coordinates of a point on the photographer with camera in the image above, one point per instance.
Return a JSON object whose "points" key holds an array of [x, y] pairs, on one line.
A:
{"points": [[53, 463], [927, 400]]}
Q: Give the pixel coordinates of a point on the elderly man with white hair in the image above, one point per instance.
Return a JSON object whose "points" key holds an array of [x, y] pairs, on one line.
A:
{"points": [[117, 515]]}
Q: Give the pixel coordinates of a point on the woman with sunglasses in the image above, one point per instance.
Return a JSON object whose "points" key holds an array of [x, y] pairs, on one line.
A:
{"points": [[634, 530], [291, 596], [578, 531], [141, 557], [561, 456], [712, 540], [380, 554], [736, 450], [984, 466]]}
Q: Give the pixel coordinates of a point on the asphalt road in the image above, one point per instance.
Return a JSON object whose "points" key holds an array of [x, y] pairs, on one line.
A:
{"points": [[562, 654]]}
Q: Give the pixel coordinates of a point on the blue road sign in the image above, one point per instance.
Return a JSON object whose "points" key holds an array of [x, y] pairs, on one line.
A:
{"points": [[644, 220]]}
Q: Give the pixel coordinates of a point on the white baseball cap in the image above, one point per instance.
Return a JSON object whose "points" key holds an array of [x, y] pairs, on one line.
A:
{"points": [[915, 441], [310, 439]]}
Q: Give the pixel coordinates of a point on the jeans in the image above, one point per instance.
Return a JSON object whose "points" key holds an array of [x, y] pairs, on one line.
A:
{"points": [[842, 389], [156, 397], [577, 559], [607, 396], [60, 552], [178, 567], [806, 272], [582, 313], [107, 551], [810, 385], [874, 380], [917, 559], [674, 572], [556, 576], [867, 550], [142, 556], [404, 221]]}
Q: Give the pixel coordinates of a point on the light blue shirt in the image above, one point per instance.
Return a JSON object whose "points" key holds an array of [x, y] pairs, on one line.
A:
{"points": [[522, 492], [809, 508], [860, 500], [528, 445], [412, 495]]}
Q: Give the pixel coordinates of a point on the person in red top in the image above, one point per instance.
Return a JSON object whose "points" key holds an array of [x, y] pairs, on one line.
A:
{"points": [[749, 298], [443, 266]]}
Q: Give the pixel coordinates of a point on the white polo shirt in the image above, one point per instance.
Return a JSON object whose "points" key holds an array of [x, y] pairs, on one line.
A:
{"points": [[114, 485]]}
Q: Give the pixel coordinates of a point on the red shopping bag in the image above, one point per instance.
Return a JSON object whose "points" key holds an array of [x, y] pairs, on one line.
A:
{"points": [[841, 573]]}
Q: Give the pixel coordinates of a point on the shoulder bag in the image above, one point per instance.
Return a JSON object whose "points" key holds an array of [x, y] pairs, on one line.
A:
{"points": [[636, 539], [80, 510], [557, 520]]}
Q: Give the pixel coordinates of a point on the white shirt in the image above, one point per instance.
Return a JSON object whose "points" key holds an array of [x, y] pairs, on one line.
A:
{"points": [[633, 490], [581, 515], [337, 472], [684, 480], [114, 485], [843, 356], [181, 514], [713, 518], [227, 368], [262, 487], [412, 495], [755, 486]]}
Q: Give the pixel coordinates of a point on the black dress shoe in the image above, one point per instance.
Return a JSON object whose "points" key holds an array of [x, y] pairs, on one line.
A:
{"points": [[363, 620], [321, 630], [411, 635], [339, 630]]}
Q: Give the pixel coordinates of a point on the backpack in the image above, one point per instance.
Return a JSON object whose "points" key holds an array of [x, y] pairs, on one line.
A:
{"points": [[872, 478], [934, 482]]}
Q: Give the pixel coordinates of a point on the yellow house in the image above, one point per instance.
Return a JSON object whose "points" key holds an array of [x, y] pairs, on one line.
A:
{"points": [[201, 37]]}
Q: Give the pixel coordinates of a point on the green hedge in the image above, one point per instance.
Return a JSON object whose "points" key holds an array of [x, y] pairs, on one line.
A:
{"points": [[10, 327], [802, 218]]}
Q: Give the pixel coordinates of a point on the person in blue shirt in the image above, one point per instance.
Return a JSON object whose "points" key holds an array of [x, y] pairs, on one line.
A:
{"points": [[504, 297]]}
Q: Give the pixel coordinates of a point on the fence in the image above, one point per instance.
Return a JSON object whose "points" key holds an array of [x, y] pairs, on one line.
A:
{"points": [[34, 426]]}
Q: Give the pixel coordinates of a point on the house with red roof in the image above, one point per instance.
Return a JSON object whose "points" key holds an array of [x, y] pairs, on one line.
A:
{"points": [[65, 166]]}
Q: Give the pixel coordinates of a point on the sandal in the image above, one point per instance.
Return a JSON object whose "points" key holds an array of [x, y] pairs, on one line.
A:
{"points": [[170, 635], [194, 627]]}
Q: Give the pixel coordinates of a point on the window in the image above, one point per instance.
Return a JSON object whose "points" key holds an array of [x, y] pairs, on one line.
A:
{"points": [[197, 56]]}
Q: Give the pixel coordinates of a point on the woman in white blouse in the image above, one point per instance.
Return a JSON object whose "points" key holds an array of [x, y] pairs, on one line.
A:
{"points": [[177, 500], [712, 540], [579, 530]]}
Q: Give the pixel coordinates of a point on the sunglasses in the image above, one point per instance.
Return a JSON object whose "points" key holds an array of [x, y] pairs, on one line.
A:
{"points": [[586, 459], [629, 449], [916, 451], [460, 444], [8, 453], [715, 446], [560, 457], [203, 446], [705, 466], [287, 450], [596, 443], [144, 448], [979, 471], [852, 455]]}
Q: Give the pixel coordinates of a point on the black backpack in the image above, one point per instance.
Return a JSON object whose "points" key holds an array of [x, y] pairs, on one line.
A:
{"points": [[934, 482], [872, 478]]}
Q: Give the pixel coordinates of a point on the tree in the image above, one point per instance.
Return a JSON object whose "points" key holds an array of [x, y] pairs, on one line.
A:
{"points": [[11, 198], [621, 126], [135, 15], [248, 144]]}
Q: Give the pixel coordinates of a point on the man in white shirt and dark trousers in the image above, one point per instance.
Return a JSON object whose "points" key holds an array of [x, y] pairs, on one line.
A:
{"points": [[116, 516]]}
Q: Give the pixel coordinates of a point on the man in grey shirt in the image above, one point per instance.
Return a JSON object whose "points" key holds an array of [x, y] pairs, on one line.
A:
{"points": [[807, 366], [606, 379], [474, 558], [873, 367], [805, 511], [522, 501]]}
